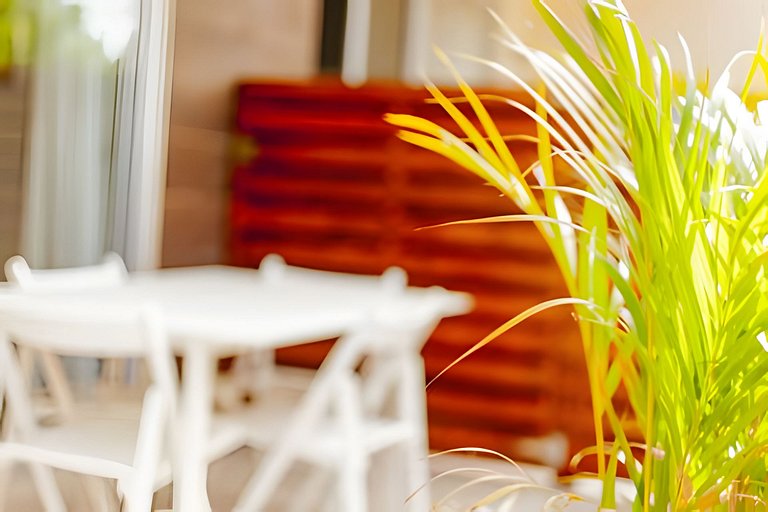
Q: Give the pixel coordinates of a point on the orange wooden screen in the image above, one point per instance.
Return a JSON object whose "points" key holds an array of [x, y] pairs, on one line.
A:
{"points": [[329, 186]]}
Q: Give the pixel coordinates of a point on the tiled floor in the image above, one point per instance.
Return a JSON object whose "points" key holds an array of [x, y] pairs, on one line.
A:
{"points": [[228, 476]]}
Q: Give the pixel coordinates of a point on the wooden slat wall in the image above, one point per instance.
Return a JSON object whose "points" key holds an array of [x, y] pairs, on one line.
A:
{"points": [[331, 187]]}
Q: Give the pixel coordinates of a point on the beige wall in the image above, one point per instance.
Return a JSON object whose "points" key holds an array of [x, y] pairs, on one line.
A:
{"points": [[217, 44], [11, 128], [714, 29], [384, 59]]}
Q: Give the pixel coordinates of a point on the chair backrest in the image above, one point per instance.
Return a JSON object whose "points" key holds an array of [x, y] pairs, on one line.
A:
{"points": [[395, 330], [55, 326], [111, 271], [387, 343], [400, 319]]}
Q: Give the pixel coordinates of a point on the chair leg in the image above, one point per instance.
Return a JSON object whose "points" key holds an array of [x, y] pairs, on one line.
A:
{"points": [[49, 491], [100, 493], [417, 469], [44, 481], [352, 485], [138, 491], [56, 380], [385, 480], [163, 498], [352, 479], [136, 497], [414, 409], [276, 461], [262, 484], [135, 502], [253, 372], [26, 357], [113, 372]]}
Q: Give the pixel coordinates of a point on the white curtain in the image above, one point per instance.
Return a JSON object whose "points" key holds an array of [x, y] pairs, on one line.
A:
{"points": [[69, 140], [95, 151], [141, 137]]}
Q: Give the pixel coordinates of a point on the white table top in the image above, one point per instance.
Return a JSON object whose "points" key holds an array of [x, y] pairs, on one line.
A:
{"points": [[232, 309], [217, 311]]}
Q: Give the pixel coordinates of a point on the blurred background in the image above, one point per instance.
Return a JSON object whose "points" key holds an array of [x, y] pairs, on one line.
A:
{"points": [[188, 132]]}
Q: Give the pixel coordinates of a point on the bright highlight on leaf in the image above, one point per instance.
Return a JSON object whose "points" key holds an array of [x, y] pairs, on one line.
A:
{"points": [[661, 242]]}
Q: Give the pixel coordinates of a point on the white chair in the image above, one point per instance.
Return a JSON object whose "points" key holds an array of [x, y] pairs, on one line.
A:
{"points": [[130, 448], [110, 272], [366, 397], [253, 373]]}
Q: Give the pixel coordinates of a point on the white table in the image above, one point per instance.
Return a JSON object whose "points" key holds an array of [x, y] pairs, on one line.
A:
{"points": [[212, 312]]}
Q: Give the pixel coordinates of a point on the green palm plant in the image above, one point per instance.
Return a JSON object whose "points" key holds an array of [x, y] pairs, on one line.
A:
{"points": [[662, 244]]}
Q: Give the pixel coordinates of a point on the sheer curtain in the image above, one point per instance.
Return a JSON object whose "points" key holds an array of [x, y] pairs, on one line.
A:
{"points": [[141, 137], [96, 136], [95, 151], [71, 105]]}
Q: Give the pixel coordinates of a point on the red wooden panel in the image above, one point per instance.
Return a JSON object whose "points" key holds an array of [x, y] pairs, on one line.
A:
{"points": [[331, 187]]}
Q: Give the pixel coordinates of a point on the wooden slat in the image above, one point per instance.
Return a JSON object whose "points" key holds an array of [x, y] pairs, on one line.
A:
{"points": [[526, 275], [329, 186], [524, 375], [501, 441], [309, 220], [528, 415]]}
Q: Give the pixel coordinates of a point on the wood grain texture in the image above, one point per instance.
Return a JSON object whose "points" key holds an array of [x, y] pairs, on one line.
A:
{"points": [[330, 186]]}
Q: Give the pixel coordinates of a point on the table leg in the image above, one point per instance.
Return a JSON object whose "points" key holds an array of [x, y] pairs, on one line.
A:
{"points": [[193, 430]]}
